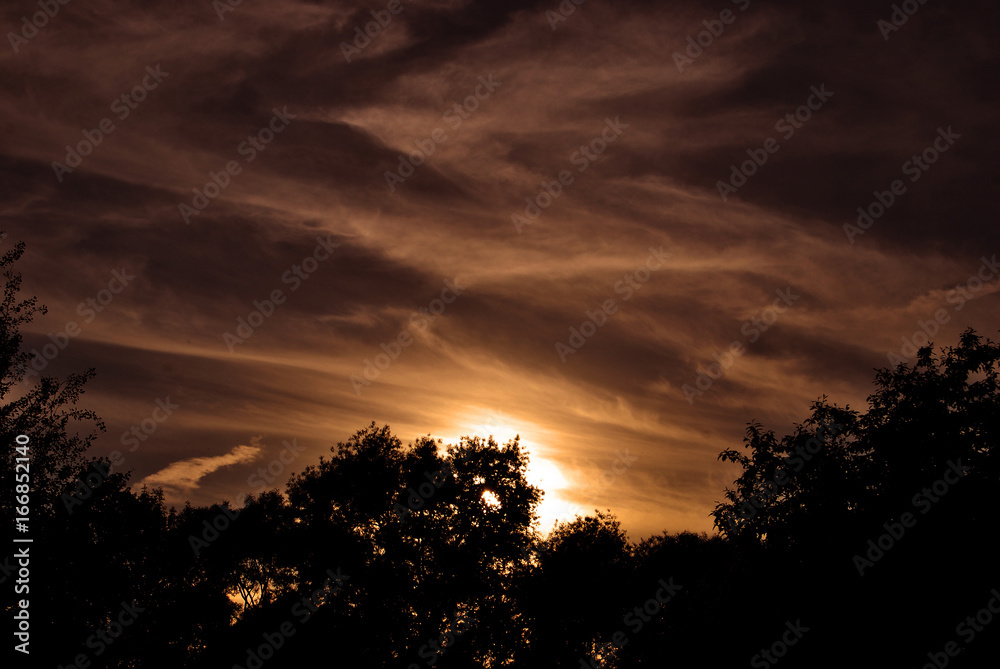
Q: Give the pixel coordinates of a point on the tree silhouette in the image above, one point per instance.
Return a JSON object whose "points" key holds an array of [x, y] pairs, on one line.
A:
{"points": [[401, 556], [577, 585], [45, 410], [922, 421]]}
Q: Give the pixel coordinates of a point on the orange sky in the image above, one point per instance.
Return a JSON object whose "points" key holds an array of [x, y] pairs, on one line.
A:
{"points": [[594, 110]]}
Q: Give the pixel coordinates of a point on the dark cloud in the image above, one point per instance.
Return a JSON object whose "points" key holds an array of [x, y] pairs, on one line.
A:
{"points": [[488, 361]]}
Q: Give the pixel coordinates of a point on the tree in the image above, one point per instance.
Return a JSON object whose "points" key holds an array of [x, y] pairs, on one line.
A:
{"points": [[578, 594], [45, 412], [899, 495], [96, 543], [429, 534], [840, 464]]}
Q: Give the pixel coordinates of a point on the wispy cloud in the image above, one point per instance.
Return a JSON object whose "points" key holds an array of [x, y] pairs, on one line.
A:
{"points": [[184, 476], [655, 185]]}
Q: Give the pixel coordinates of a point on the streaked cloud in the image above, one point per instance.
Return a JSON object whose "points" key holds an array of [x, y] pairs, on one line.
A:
{"points": [[494, 346]]}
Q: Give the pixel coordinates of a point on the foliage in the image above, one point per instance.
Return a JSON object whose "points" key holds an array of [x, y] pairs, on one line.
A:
{"points": [[429, 539]]}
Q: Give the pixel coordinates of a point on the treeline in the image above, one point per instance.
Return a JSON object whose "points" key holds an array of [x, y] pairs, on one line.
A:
{"points": [[859, 539]]}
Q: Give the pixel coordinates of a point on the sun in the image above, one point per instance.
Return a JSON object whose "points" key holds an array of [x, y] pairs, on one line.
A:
{"points": [[542, 472]]}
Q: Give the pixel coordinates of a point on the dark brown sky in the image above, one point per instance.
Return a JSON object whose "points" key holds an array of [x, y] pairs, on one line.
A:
{"points": [[606, 77]]}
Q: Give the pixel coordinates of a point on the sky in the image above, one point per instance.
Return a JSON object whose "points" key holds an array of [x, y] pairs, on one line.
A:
{"points": [[520, 218]]}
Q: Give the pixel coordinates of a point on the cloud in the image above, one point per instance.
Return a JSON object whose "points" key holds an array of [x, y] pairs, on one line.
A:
{"points": [[184, 476], [655, 185]]}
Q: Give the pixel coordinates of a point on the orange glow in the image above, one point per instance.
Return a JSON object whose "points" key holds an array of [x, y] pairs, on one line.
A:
{"points": [[544, 473]]}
